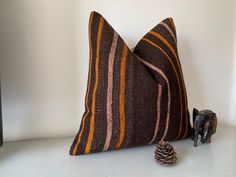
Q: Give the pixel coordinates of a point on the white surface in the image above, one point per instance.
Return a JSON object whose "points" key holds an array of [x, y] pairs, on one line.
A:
{"points": [[50, 158], [44, 57]]}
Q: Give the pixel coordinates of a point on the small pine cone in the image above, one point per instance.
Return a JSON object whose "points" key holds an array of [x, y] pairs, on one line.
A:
{"points": [[165, 153]]}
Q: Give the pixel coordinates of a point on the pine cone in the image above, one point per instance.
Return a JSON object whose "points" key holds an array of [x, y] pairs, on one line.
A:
{"points": [[165, 153]]}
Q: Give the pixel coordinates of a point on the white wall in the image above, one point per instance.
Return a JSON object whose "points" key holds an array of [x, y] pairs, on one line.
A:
{"points": [[44, 57]]}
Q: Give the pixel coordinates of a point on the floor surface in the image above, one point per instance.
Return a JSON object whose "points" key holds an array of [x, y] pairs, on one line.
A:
{"points": [[50, 158]]}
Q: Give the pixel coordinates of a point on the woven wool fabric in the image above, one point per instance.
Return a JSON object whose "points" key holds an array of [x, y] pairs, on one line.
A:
{"points": [[133, 98]]}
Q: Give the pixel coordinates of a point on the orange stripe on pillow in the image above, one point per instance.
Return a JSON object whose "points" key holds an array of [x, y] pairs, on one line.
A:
{"points": [[167, 56], [88, 89], [91, 131], [170, 31], [122, 96], [165, 42], [181, 74]]}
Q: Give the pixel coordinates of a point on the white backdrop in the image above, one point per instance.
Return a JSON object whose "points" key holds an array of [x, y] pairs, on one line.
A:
{"points": [[44, 57]]}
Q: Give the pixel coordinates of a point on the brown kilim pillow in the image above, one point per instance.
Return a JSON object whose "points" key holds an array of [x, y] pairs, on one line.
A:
{"points": [[133, 98]]}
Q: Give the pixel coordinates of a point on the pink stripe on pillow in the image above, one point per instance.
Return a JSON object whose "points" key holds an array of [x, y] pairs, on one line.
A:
{"points": [[109, 91], [158, 113], [169, 98], [168, 28]]}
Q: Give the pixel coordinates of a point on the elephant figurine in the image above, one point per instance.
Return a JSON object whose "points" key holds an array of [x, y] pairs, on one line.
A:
{"points": [[204, 124]]}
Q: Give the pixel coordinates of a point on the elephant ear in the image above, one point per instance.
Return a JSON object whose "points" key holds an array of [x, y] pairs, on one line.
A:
{"points": [[195, 113], [214, 119]]}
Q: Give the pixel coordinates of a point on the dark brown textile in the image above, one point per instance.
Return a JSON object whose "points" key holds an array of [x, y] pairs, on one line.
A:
{"points": [[133, 98]]}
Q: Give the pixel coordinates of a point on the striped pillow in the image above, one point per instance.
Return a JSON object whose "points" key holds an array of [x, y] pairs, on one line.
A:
{"points": [[133, 98]]}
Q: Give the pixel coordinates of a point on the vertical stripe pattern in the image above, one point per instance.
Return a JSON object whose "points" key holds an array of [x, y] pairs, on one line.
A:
{"points": [[122, 96], [163, 37], [91, 131], [109, 91], [133, 98], [176, 74], [181, 75]]}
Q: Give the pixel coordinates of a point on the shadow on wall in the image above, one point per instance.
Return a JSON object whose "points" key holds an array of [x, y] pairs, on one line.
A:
{"points": [[192, 83], [39, 68]]}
